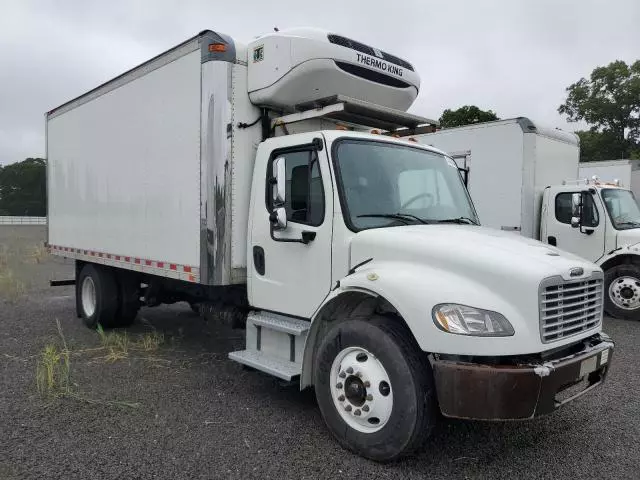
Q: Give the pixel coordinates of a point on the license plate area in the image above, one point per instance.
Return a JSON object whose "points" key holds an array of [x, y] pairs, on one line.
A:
{"points": [[590, 375]]}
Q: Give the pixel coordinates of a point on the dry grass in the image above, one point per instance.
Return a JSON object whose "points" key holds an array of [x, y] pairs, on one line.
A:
{"points": [[118, 344], [53, 373], [53, 369], [10, 287], [115, 343], [37, 254], [150, 342]]}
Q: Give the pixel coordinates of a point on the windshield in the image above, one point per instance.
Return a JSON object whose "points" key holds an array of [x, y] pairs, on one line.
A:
{"points": [[622, 207], [385, 184]]}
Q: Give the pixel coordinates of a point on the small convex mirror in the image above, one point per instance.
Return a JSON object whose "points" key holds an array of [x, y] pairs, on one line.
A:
{"points": [[576, 209], [279, 182]]}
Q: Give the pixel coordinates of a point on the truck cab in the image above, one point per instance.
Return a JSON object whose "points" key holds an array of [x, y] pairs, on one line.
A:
{"points": [[598, 221]]}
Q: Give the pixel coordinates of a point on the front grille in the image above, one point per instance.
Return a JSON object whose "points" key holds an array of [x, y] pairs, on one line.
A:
{"points": [[569, 307], [361, 47]]}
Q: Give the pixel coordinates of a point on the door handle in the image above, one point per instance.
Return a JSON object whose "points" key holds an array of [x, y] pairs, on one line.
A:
{"points": [[308, 237]]}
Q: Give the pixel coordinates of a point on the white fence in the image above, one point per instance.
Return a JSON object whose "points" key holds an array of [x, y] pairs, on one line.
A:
{"points": [[23, 220]]}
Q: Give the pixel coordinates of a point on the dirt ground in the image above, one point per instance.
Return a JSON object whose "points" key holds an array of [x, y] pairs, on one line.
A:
{"points": [[178, 408]]}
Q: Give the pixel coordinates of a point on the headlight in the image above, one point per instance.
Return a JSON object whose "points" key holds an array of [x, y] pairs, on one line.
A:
{"points": [[464, 320]]}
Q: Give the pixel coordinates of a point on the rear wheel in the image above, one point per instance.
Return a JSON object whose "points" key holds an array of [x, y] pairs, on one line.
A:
{"points": [[622, 290], [129, 299], [375, 388], [97, 292]]}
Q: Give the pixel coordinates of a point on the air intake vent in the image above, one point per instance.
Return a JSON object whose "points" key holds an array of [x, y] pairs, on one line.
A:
{"points": [[361, 47]]}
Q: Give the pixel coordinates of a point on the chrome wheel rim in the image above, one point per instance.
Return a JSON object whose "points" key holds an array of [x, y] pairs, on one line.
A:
{"points": [[361, 390], [624, 292], [89, 296]]}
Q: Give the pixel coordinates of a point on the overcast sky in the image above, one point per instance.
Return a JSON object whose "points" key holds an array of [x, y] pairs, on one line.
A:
{"points": [[515, 57]]}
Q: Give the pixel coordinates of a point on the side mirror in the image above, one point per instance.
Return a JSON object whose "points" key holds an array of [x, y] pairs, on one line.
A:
{"points": [[576, 210], [279, 182], [278, 218]]}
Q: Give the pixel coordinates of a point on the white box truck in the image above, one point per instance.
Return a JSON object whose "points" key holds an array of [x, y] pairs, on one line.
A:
{"points": [[624, 172], [238, 176], [522, 178]]}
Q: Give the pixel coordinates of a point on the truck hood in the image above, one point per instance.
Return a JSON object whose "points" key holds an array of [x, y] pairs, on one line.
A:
{"points": [[417, 267], [470, 250], [628, 238]]}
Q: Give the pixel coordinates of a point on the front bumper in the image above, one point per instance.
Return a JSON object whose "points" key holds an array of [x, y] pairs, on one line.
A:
{"points": [[519, 391]]}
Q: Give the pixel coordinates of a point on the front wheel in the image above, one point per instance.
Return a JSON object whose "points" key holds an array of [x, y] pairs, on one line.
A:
{"points": [[375, 388], [622, 291]]}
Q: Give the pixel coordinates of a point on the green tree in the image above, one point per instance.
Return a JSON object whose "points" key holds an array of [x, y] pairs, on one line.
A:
{"points": [[466, 115], [595, 146], [609, 102], [23, 189]]}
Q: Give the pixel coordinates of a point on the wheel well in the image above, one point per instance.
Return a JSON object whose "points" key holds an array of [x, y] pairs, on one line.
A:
{"points": [[345, 306], [619, 260]]}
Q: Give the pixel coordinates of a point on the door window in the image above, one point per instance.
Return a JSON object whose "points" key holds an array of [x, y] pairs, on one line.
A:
{"points": [[563, 209], [304, 202]]}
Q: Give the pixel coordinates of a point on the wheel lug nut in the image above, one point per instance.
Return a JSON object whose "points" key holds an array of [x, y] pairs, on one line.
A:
{"points": [[357, 413], [348, 408], [342, 375], [339, 385], [358, 374], [369, 397], [341, 398], [350, 370], [365, 408], [367, 384]]}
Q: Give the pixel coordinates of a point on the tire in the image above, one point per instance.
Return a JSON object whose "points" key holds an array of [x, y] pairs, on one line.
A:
{"points": [[97, 294], [622, 291], [129, 299], [401, 428], [195, 308]]}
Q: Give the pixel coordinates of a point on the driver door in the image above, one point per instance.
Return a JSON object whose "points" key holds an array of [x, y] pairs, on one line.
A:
{"points": [[586, 241], [289, 276]]}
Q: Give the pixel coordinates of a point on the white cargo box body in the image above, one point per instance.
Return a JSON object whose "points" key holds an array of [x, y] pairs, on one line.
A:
{"points": [[510, 163], [143, 173], [627, 172]]}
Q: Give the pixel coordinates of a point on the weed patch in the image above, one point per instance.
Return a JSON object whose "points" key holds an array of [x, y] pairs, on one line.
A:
{"points": [[10, 287]]}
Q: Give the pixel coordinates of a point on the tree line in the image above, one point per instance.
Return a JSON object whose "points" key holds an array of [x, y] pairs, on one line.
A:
{"points": [[608, 102], [23, 188]]}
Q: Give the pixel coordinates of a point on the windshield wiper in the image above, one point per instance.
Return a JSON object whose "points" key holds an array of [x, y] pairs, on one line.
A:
{"points": [[405, 217], [629, 223], [461, 220]]}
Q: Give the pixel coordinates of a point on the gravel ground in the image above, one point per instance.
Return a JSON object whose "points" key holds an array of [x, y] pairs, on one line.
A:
{"points": [[185, 411]]}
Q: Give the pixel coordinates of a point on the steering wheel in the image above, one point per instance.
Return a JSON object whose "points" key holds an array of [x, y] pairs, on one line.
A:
{"points": [[418, 197]]}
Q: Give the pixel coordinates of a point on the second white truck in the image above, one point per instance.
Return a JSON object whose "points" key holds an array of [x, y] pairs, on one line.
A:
{"points": [[242, 177], [523, 179]]}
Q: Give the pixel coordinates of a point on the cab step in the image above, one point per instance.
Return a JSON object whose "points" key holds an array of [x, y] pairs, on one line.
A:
{"points": [[280, 323], [274, 344], [278, 367]]}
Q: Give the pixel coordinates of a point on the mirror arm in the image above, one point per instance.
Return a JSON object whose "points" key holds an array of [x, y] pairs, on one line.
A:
{"points": [[307, 237]]}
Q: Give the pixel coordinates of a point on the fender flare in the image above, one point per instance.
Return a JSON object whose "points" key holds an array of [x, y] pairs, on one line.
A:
{"points": [[318, 321]]}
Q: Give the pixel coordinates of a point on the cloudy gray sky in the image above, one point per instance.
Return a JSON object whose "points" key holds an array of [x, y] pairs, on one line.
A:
{"points": [[515, 57]]}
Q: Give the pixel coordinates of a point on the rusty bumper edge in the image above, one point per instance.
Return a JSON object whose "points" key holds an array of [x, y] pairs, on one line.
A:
{"points": [[495, 392]]}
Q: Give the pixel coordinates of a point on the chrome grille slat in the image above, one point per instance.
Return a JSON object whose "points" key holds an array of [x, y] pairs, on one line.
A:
{"points": [[565, 311], [570, 307], [588, 315], [571, 297], [574, 289]]}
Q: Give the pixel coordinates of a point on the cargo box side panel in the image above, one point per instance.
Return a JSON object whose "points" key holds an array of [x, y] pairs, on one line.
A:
{"points": [[553, 160], [125, 168]]}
